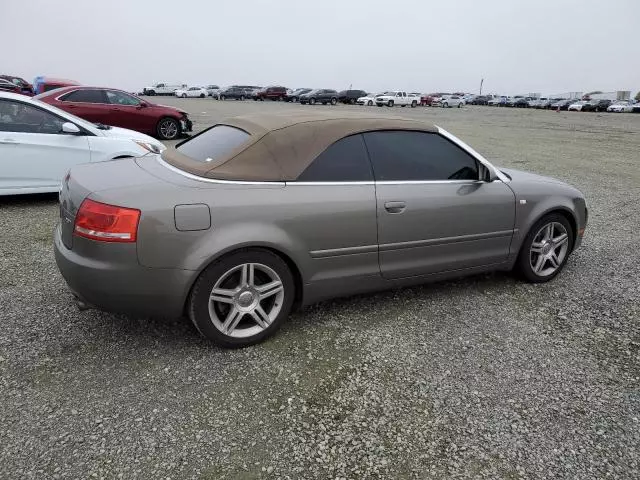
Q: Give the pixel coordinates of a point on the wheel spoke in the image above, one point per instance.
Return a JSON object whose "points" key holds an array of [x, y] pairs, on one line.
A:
{"points": [[260, 316], [536, 247], [548, 232], [223, 295], [553, 258], [539, 264], [269, 289], [231, 322], [561, 239], [246, 277]]}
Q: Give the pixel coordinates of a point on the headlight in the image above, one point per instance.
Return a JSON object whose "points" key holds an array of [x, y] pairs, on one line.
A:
{"points": [[150, 147]]}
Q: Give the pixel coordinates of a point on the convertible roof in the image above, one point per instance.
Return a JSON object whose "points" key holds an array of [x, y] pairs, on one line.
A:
{"points": [[281, 146]]}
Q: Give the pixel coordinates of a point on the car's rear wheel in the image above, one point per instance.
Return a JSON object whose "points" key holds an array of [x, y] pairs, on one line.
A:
{"points": [[242, 299], [241, 97], [445, 105], [202, 95], [546, 249], [184, 95], [414, 104], [370, 103], [312, 101], [221, 97], [168, 128], [334, 101], [460, 105]]}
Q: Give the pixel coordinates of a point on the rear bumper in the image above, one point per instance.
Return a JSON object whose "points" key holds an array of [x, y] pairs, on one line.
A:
{"points": [[120, 284]]}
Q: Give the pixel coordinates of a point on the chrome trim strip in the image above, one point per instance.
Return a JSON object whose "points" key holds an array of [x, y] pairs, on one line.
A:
{"points": [[213, 180], [422, 182], [337, 252], [473, 153], [444, 241], [312, 184]]}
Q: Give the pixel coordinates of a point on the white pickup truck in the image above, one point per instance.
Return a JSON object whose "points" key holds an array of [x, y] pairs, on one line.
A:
{"points": [[391, 99], [161, 89]]}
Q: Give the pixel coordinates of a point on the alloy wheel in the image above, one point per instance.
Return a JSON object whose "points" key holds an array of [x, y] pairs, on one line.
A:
{"points": [[168, 128], [549, 249], [246, 300]]}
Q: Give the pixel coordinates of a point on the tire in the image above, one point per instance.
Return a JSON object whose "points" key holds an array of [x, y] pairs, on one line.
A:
{"points": [[184, 95], [168, 128], [257, 315], [294, 99], [202, 95], [390, 103], [460, 105], [334, 101], [242, 97], [538, 238], [370, 103], [151, 93], [221, 97], [312, 101], [445, 105], [352, 101], [414, 104]]}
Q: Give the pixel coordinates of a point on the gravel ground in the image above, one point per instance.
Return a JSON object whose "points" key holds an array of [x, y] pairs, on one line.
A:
{"points": [[483, 377]]}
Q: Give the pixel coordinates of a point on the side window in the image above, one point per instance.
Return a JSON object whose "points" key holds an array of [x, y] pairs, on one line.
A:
{"points": [[407, 155], [85, 96], [344, 161], [120, 98], [22, 118]]}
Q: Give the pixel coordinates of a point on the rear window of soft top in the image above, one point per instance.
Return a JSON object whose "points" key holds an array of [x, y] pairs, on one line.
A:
{"points": [[213, 143]]}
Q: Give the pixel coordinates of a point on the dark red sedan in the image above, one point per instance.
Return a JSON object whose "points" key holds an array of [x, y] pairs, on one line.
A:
{"points": [[120, 109]]}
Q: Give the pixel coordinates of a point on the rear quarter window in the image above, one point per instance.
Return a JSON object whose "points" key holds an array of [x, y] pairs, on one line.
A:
{"points": [[213, 143]]}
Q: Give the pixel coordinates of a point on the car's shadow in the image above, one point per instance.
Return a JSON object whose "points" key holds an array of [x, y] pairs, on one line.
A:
{"points": [[182, 335]]}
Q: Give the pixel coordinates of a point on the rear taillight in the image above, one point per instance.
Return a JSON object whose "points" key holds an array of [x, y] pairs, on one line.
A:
{"points": [[106, 223]]}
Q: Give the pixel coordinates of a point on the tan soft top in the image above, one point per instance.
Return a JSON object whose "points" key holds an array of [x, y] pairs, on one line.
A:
{"points": [[281, 146]]}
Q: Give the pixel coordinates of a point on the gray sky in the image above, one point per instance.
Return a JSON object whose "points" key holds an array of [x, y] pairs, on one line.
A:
{"points": [[548, 46]]}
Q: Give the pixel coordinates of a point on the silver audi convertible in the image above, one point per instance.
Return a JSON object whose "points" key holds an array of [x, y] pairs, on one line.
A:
{"points": [[260, 214]]}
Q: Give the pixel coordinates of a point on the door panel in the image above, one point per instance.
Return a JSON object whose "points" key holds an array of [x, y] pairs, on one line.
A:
{"points": [[36, 160], [432, 227]]}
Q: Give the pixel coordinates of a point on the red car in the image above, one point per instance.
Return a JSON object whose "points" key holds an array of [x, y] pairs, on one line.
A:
{"points": [[120, 109], [24, 87]]}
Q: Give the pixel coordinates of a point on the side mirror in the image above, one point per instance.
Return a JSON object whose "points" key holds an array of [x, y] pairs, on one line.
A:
{"points": [[70, 128], [143, 105]]}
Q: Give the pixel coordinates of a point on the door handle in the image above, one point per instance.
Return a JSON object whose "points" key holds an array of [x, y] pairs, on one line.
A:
{"points": [[9, 141], [395, 207]]}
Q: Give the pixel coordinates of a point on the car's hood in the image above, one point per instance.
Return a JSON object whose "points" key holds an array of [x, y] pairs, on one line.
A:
{"points": [[520, 176], [117, 132]]}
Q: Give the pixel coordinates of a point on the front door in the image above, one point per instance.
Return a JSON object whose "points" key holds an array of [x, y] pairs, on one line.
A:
{"points": [[90, 104], [125, 111], [434, 214], [34, 154]]}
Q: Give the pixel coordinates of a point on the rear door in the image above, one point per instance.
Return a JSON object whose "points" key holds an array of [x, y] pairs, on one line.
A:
{"points": [[434, 214], [33, 151], [90, 104]]}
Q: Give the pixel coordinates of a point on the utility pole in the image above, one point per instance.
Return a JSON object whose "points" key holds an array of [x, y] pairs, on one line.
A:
{"points": [[481, 82]]}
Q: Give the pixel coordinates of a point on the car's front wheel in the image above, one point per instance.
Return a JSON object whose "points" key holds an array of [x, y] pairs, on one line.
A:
{"points": [[242, 299], [390, 103], [334, 101], [168, 128], [312, 101], [545, 249], [370, 103]]}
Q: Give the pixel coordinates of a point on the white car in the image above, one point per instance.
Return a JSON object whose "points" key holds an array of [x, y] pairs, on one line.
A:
{"points": [[391, 99], [451, 101], [620, 106], [191, 92], [161, 89], [39, 143], [213, 90], [368, 100], [576, 107]]}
